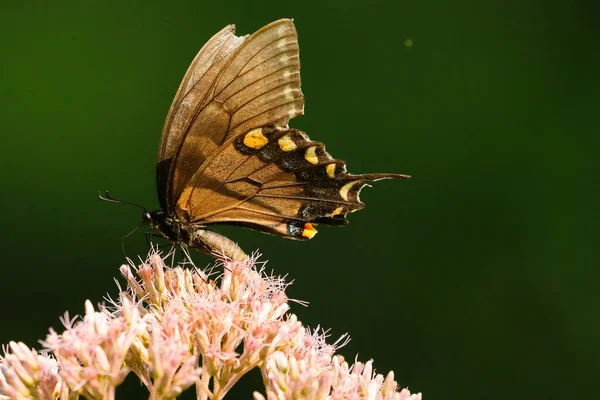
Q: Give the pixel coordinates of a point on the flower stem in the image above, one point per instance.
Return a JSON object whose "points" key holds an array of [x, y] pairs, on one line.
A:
{"points": [[202, 386], [110, 393]]}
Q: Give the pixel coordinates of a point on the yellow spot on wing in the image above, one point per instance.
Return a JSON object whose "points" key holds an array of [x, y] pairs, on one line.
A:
{"points": [[286, 143], [337, 211], [311, 155], [346, 188], [330, 170], [309, 231], [255, 139]]}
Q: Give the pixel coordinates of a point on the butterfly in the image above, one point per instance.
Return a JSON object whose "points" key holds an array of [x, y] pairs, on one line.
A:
{"points": [[228, 156]]}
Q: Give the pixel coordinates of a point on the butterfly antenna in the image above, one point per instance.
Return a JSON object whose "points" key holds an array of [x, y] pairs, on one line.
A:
{"points": [[111, 199]]}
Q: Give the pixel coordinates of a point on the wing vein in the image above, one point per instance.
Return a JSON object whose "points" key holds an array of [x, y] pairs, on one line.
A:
{"points": [[257, 115], [262, 94], [347, 203], [246, 63], [263, 77]]}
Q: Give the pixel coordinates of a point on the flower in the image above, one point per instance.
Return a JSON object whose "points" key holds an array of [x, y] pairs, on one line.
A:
{"points": [[241, 308], [91, 352], [172, 361], [312, 372], [25, 374], [175, 327]]}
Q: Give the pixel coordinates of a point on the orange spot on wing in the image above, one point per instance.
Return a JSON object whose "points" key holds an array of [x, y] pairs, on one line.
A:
{"points": [[309, 231], [255, 139], [337, 211]]}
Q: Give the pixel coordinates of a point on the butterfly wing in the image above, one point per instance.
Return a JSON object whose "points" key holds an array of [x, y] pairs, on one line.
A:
{"points": [[233, 85], [275, 180]]}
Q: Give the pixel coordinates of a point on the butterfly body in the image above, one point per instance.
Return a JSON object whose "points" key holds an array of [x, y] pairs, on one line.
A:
{"points": [[192, 235], [170, 227], [227, 155]]}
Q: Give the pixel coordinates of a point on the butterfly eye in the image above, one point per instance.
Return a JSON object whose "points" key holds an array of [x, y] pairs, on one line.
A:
{"points": [[147, 218]]}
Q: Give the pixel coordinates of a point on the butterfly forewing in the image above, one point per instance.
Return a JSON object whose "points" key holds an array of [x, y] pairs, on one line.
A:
{"points": [[200, 76], [248, 84]]}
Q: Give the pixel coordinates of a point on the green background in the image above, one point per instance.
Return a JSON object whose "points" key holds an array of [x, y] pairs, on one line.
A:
{"points": [[478, 278]]}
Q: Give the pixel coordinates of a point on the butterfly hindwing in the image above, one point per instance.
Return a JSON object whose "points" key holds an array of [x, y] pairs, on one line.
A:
{"points": [[235, 84], [275, 180]]}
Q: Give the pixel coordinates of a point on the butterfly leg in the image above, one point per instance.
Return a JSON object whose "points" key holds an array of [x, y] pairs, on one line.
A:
{"points": [[187, 255], [218, 246], [172, 254], [148, 238], [149, 235]]}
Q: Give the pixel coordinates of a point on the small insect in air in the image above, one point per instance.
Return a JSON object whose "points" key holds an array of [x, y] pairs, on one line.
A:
{"points": [[228, 156]]}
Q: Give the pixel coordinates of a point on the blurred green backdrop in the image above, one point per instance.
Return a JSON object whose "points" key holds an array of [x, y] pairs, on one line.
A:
{"points": [[478, 278]]}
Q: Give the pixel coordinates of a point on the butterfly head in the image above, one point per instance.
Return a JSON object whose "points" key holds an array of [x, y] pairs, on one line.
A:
{"points": [[163, 225], [159, 224], [154, 219], [147, 218]]}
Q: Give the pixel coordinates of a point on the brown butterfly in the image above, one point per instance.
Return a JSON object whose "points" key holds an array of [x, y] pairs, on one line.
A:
{"points": [[227, 155]]}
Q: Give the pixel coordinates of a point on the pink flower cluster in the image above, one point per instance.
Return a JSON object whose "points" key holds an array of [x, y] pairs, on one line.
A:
{"points": [[178, 327]]}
